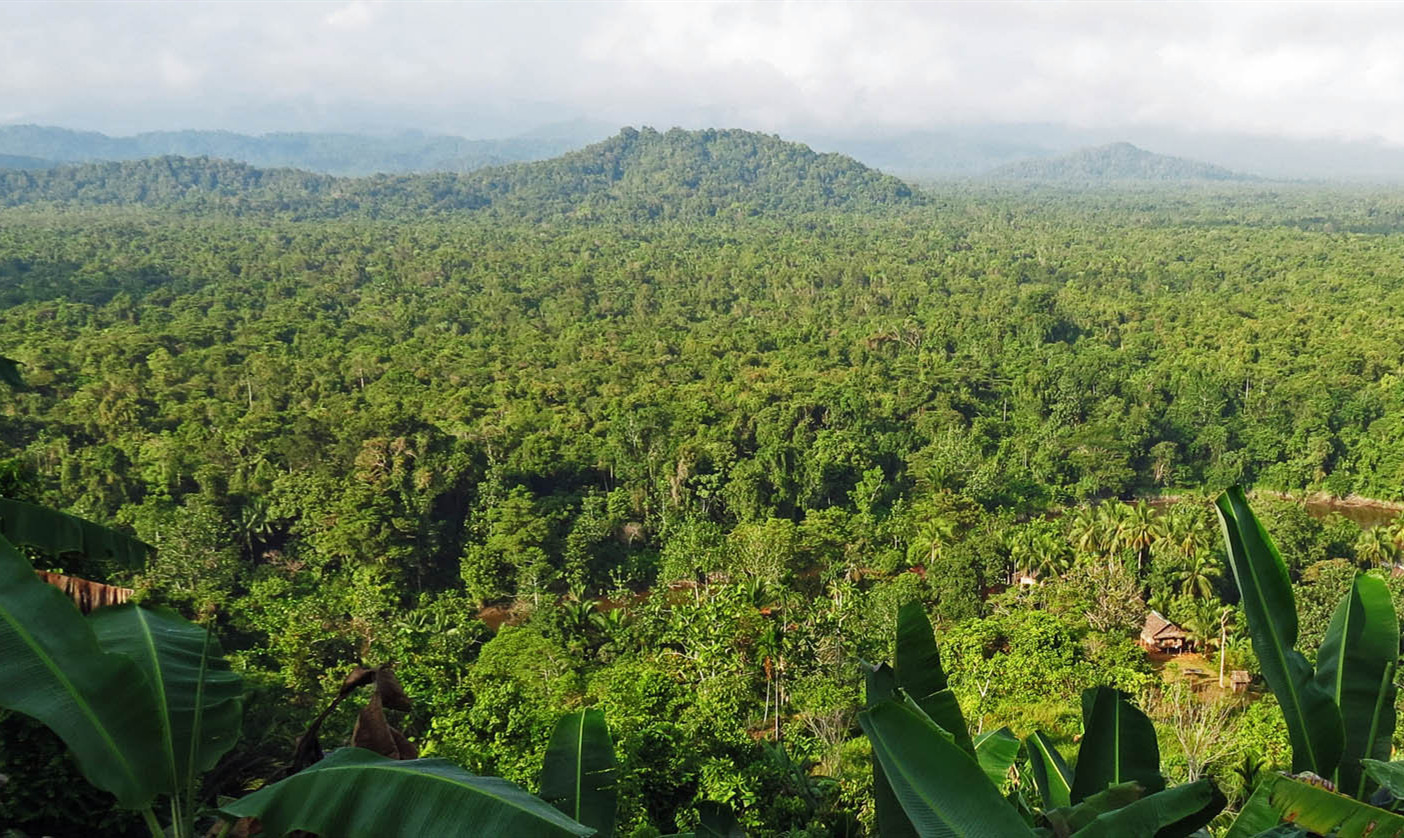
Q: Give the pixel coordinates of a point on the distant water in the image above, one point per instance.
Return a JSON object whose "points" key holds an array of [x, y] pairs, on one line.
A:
{"points": [[1364, 513]]}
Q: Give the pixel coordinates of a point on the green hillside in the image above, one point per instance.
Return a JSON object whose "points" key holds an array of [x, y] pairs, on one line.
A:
{"points": [[635, 175], [1115, 162]]}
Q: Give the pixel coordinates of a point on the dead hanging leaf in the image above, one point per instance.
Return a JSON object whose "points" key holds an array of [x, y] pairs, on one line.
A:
{"points": [[86, 594], [373, 730], [374, 733]]}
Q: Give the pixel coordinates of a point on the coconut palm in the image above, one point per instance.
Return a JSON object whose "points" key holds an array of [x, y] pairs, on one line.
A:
{"points": [[1140, 530], [1376, 546], [1050, 554], [1199, 575], [1086, 531], [1187, 531], [932, 535]]}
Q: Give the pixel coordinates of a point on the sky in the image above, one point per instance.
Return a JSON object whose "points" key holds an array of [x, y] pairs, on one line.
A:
{"points": [[494, 69]]}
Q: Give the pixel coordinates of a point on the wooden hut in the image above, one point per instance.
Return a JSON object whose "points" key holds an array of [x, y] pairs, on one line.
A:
{"points": [[1160, 635]]}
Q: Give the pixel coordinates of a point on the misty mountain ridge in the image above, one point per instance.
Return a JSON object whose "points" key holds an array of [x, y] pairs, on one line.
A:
{"points": [[1120, 161], [329, 153], [637, 174]]}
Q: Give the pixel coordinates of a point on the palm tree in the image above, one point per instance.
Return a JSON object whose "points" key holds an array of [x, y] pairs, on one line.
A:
{"points": [[1050, 554], [1187, 531], [1377, 547], [1140, 530], [934, 534], [1086, 531], [1204, 626], [1113, 520], [1200, 574], [1396, 532]]}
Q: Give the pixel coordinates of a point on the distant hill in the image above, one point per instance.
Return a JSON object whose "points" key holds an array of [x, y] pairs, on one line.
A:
{"points": [[637, 175], [340, 154], [20, 161], [1115, 162], [934, 154]]}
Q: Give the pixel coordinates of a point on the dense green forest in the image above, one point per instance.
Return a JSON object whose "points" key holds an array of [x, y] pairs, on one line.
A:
{"points": [[673, 426]]}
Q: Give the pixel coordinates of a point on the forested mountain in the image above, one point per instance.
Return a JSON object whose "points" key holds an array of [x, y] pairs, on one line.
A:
{"points": [[1114, 162], [339, 154], [636, 175], [18, 161]]}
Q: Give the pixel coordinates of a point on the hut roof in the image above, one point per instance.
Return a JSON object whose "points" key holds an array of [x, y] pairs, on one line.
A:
{"points": [[1159, 628]]}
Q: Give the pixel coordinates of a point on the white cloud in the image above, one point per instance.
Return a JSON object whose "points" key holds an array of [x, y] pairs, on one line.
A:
{"points": [[1290, 69]]}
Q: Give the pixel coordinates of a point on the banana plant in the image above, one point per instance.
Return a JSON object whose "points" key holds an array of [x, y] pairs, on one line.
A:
{"points": [[940, 783], [1342, 712], [578, 774], [146, 703], [356, 793], [1283, 806]]}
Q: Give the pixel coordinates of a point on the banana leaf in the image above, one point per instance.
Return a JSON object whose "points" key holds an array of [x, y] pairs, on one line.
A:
{"points": [[941, 788], [1314, 724], [355, 793], [578, 775], [919, 673], [1257, 817], [881, 685], [199, 701], [1066, 820], [1052, 776], [996, 751], [1173, 812], [1118, 746], [59, 534], [1281, 799], [100, 704], [1355, 666], [1390, 775]]}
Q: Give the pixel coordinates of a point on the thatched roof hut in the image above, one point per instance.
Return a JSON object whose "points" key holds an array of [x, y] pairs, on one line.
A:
{"points": [[1160, 635]]}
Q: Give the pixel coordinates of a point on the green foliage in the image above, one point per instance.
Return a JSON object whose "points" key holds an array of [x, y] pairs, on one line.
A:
{"points": [[1118, 746], [1313, 718], [360, 794], [100, 703], [578, 774]]}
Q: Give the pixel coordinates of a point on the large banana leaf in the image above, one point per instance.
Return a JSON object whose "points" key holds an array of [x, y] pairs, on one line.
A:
{"points": [[355, 793], [199, 700], [100, 704], [941, 788], [1355, 666], [1387, 774], [892, 822], [1313, 721], [1051, 774], [1257, 817], [1118, 746], [1066, 820], [1173, 812], [577, 776], [996, 751], [1281, 799], [919, 673], [58, 533]]}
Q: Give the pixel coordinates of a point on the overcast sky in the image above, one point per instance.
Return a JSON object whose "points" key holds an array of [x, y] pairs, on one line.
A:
{"points": [[489, 69]]}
